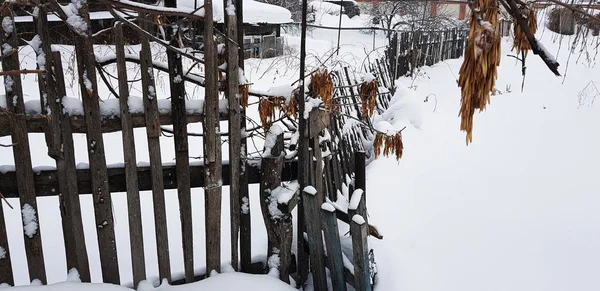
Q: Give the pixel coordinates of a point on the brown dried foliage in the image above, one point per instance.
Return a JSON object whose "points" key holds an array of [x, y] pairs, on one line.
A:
{"points": [[521, 43], [368, 95], [479, 69], [321, 84], [392, 144], [244, 92], [268, 105], [266, 110]]}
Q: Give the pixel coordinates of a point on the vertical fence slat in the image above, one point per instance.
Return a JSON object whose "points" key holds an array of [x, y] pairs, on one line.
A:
{"points": [[360, 182], [6, 272], [25, 184], [245, 229], [95, 146], [153, 133], [360, 251], [312, 207], [136, 239], [182, 162], [334, 247], [72, 223], [234, 126], [212, 147]]}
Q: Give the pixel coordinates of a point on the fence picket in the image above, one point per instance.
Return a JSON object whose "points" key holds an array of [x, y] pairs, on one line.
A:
{"points": [[25, 183], [334, 247], [360, 251], [153, 133], [136, 237], [312, 207], [72, 223], [84, 51], [212, 147], [182, 162]]}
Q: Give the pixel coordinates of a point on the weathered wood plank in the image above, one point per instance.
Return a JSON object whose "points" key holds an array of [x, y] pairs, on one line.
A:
{"points": [[312, 207], [6, 272], [95, 146], [245, 228], [234, 124], [279, 228], [334, 247], [318, 121], [72, 223], [136, 237], [46, 182], [24, 179], [182, 161], [360, 182], [212, 146], [360, 251], [153, 134], [39, 123]]}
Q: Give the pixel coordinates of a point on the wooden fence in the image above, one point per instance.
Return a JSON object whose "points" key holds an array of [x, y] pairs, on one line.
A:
{"points": [[409, 50], [338, 152]]}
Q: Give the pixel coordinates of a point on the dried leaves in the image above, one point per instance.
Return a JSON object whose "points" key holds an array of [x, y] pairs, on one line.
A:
{"points": [[368, 95], [321, 84], [521, 43], [244, 92], [268, 105], [479, 69], [392, 144]]}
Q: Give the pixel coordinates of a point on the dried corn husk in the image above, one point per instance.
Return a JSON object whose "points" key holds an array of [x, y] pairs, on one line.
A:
{"points": [[266, 110], [268, 105], [368, 96], [321, 85], [392, 144], [521, 43], [479, 69], [244, 92]]}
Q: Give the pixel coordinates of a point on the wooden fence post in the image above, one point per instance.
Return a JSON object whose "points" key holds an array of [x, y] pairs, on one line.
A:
{"points": [[234, 125], [245, 229], [153, 133], [25, 183], [360, 250], [136, 237], [334, 247], [212, 146], [95, 145], [72, 223], [278, 223], [312, 208]]}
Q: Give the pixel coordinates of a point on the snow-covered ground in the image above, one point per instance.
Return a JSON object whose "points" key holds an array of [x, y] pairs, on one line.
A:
{"points": [[518, 209]]}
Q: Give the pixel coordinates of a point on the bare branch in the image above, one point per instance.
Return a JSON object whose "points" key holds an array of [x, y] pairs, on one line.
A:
{"points": [[536, 46]]}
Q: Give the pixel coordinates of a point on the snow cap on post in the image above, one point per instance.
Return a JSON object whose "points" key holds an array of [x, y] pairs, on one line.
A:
{"points": [[358, 219], [355, 200], [310, 190], [327, 207]]}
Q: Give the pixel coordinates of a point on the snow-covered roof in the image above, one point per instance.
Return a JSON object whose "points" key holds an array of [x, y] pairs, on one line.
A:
{"points": [[254, 12]]}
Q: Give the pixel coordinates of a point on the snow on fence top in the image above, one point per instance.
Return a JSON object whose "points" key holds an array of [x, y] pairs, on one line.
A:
{"points": [[254, 12], [97, 15], [109, 108]]}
